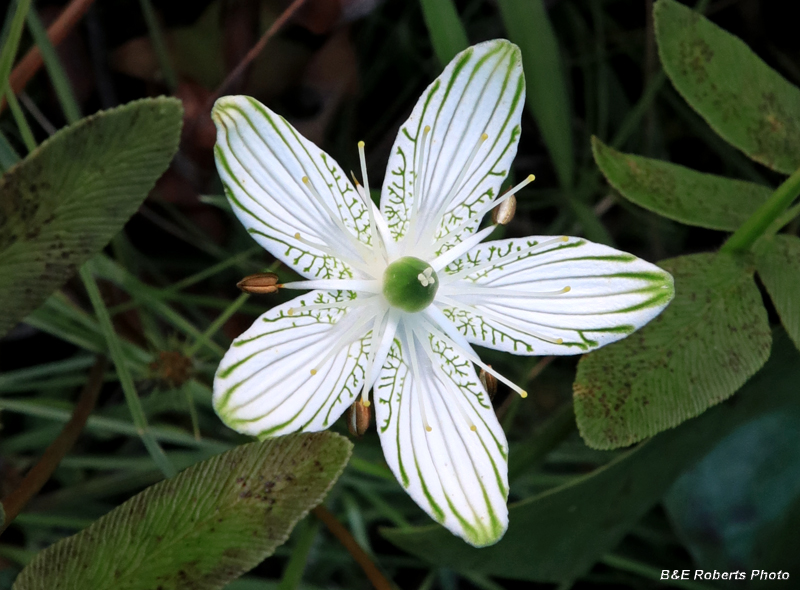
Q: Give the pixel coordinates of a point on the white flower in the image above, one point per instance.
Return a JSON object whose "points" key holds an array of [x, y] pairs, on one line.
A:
{"points": [[400, 294]]}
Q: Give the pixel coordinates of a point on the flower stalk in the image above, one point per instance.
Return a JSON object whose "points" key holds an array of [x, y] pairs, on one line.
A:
{"points": [[760, 221]]}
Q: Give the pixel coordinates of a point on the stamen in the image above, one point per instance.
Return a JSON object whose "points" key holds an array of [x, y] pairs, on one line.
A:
{"points": [[436, 217], [489, 383], [506, 195], [504, 212], [260, 283], [460, 249], [363, 285], [346, 339], [325, 250], [360, 247], [468, 354], [496, 317], [477, 289], [347, 304], [512, 257], [377, 331], [367, 198], [482, 211], [437, 368], [412, 352], [416, 201], [387, 334], [383, 230]]}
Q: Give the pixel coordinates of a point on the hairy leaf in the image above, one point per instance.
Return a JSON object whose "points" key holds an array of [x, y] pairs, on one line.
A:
{"points": [[680, 193], [68, 198], [778, 264], [202, 528], [744, 100], [707, 343], [557, 535]]}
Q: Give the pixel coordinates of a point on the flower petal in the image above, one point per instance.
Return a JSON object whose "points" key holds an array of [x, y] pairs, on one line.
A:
{"points": [[512, 295], [481, 91], [265, 385], [262, 161], [457, 475]]}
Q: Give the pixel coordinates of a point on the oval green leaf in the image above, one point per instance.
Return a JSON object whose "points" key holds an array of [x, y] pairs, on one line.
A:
{"points": [[557, 536], [202, 528], [745, 101], [68, 198], [712, 338], [778, 264], [680, 193]]}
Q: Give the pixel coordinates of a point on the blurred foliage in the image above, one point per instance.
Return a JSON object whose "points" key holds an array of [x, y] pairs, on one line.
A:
{"points": [[161, 298]]}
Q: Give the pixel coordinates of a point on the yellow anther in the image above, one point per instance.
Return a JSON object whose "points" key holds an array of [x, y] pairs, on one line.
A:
{"points": [[473, 428], [565, 238], [523, 394], [559, 341], [484, 137], [297, 236], [313, 371], [567, 289], [428, 428], [306, 180], [361, 144]]}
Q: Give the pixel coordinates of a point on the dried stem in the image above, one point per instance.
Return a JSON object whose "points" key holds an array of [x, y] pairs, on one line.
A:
{"points": [[56, 32], [253, 53], [41, 472], [339, 531]]}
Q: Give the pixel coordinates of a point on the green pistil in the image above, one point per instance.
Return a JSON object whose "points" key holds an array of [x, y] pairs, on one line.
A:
{"points": [[410, 284]]}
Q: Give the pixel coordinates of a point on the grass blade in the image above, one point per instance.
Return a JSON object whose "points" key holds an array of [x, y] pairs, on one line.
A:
{"points": [[446, 31]]}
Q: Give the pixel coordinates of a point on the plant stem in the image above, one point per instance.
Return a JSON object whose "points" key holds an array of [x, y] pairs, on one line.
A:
{"points": [[758, 223], [785, 218], [60, 28], [338, 530], [41, 472], [253, 53]]}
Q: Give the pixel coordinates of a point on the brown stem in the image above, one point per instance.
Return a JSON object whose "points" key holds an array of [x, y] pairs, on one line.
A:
{"points": [[56, 32], [253, 53], [339, 531], [41, 472]]}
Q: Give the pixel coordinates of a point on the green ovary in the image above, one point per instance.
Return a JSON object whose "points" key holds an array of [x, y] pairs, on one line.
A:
{"points": [[410, 284]]}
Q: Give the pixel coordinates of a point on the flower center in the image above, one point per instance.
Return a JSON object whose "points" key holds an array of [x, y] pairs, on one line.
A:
{"points": [[410, 284]]}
